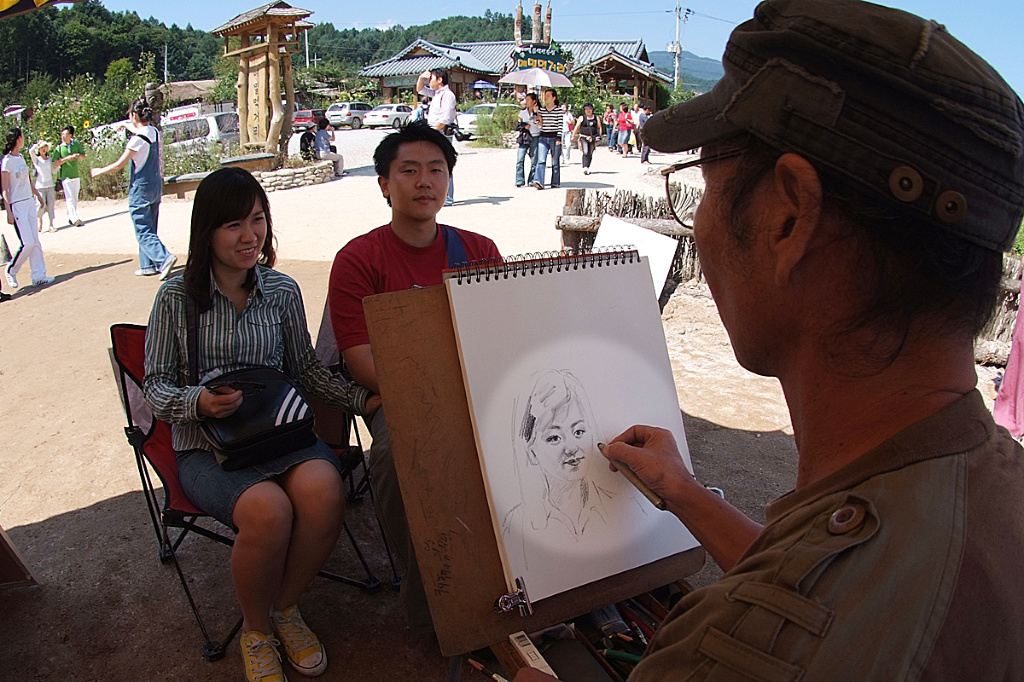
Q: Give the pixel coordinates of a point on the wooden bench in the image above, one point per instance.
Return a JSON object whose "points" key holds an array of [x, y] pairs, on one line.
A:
{"points": [[188, 182], [185, 182], [257, 161]]}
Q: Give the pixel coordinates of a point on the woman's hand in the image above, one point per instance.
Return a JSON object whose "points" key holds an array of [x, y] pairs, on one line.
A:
{"points": [[219, 402], [372, 404]]}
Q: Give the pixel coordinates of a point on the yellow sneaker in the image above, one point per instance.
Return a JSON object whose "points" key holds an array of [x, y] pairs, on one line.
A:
{"points": [[303, 650], [261, 660]]}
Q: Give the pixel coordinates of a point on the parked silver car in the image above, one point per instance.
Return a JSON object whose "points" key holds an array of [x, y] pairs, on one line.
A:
{"points": [[392, 115], [347, 114], [203, 131]]}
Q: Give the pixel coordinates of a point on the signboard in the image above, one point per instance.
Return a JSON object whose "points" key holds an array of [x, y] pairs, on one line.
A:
{"points": [[400, 81], [257, 95], [530, 56]]}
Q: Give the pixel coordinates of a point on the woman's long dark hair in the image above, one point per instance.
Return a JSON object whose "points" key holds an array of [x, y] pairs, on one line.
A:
{"points": [[224, 196], [11, 139]]}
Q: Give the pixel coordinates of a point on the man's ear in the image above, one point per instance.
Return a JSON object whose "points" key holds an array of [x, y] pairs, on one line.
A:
{"points": [[797, 213], [383, 182]]}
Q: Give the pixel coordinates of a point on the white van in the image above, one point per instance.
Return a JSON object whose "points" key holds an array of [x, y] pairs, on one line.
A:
{"points": [[203, 131]]}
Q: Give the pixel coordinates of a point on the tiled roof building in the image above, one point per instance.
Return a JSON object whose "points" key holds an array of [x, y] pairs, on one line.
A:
{"points": [[622, 64]]}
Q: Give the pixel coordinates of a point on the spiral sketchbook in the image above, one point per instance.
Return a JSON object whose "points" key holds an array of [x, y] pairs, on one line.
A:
{"points": [[559, 353]]}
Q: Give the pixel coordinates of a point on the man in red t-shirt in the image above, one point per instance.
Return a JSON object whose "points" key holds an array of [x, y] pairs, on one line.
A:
{"points": [[413, 166]]}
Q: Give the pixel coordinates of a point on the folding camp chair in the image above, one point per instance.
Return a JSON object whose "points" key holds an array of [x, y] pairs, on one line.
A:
{"points": [[150, 438]]}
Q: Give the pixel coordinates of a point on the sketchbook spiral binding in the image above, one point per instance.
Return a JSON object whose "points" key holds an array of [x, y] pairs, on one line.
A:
{"points": [[542, 263]]}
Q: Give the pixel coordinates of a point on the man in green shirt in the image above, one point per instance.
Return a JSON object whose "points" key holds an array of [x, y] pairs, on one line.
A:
{"points": [[66, 157]]}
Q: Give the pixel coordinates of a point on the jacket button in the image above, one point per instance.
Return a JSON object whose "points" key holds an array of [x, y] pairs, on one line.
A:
{"points": [[847, 518]]}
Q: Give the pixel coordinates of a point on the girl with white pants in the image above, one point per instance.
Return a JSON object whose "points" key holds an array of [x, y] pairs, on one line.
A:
{"points": [[43, 164], [21, 232]]}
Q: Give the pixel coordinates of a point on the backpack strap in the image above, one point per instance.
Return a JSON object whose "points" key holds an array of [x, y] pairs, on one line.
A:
{"points": [[453, 246]]}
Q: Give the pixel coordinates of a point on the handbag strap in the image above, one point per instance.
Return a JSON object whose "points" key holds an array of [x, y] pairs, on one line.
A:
{"points": [[192, 340]]}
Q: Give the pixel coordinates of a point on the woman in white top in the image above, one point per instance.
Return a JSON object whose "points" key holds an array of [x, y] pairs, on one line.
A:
{"points": [[43, 164], [568, 123], [145, 185], [21, 233]]}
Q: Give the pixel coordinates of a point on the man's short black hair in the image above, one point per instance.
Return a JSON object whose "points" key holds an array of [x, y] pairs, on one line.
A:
{"points": [[70, 129], [416, 131], [322, 124], [440, 73]]}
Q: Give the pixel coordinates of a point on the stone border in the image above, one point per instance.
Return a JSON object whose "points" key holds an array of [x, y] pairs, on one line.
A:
{"points": [[287, 178]]}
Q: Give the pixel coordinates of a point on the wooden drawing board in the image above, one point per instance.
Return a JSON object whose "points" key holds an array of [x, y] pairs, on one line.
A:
{"points": [[13, 572], [418, 371]]}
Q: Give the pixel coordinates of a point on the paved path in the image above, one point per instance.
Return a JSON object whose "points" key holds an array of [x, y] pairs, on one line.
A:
{"points": [[312, 223]]}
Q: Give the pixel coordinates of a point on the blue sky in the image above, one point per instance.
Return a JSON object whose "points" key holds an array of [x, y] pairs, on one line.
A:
{"points": [[992, 27]]}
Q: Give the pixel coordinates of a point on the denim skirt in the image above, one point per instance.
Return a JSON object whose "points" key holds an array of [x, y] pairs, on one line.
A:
{"points": [[215, 491]]}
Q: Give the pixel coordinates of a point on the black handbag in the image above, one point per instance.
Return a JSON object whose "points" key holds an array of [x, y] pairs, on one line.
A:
{"points": [[274, 418]]}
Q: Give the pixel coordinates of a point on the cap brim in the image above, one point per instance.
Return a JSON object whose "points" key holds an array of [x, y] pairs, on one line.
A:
{"points": [[691, 124]]}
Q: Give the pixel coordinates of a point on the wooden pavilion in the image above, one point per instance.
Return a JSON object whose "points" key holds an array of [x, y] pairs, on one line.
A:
{"points": [[267, 37]]}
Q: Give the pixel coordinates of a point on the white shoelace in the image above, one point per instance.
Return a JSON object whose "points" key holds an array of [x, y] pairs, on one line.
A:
{"points": [[264, 658], [294, 631]]}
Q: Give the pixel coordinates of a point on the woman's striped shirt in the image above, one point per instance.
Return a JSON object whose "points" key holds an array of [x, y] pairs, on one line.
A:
{"points": [[270, 332]]}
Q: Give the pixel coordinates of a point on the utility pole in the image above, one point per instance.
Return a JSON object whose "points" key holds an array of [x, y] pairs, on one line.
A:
{"points": [[166, 80], [675, 79], [306, 33], [675, 48]]}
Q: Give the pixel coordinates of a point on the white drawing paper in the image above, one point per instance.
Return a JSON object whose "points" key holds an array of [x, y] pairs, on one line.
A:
{"points": [[554, 363], [659, 248]]}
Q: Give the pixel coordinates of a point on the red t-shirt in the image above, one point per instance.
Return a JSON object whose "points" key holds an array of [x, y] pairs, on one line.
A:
{"points": [[378, 262], [625, 122]]}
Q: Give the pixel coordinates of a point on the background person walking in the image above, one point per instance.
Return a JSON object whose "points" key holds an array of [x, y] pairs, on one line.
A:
{"points": [[625, 128], [609, 125], [66, 158], [145, 186], [43, 165], [529, 123], [21, 213], [588, 130], [551, 122]]}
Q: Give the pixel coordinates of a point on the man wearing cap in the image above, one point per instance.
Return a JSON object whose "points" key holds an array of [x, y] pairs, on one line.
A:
{"points": [[864, 173]]}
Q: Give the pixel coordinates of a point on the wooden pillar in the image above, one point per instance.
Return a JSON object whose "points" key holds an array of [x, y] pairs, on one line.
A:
{"points": [[274, 90], [289, 100], [243, 91]]}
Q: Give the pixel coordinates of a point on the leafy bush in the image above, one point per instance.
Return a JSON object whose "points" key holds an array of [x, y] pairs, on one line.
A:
{"points": [[489, 132], [179, 161], [111, 185], [1018, 243], [490, 129]]}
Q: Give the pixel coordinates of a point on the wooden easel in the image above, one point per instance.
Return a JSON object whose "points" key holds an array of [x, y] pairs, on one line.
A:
{"points": [[417, 364]]}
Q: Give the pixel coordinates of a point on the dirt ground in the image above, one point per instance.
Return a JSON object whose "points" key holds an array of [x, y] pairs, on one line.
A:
{"points": [[70, 500]]}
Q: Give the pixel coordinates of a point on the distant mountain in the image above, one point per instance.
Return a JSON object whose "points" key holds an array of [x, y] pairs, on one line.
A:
{"points": [[701, 67]]}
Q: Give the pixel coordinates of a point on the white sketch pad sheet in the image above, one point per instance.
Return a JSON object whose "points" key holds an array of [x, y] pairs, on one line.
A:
{"points": [[603, 325], [659, 248]]}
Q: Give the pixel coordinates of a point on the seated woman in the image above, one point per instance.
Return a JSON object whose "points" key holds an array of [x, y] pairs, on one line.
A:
{"points": [[287, 511]]}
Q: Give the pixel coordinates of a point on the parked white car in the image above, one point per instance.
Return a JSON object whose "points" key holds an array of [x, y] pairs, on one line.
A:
{"points": [[347, 114], [392, 115], [467, 119], [203, 131]]}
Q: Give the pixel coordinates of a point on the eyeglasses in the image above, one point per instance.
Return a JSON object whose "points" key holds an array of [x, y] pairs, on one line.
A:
{"points": [[682, 199]]}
